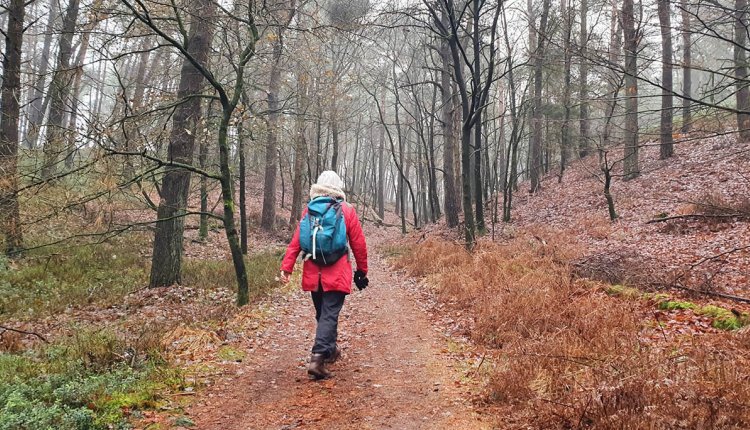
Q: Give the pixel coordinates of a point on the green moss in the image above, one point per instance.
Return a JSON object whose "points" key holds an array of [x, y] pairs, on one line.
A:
{"points": [[675, 305], [713, 311], [728, 322], [228, 353], [725, 319]]}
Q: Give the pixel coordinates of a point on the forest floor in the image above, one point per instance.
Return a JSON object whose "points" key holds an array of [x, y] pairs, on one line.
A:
{"points": [[397, 370]]}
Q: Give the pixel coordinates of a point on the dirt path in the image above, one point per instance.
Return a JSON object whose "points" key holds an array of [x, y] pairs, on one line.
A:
{"points": [[394, 373]]}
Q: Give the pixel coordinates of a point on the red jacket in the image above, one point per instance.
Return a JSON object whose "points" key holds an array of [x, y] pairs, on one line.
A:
{"points": [[338, 276]]}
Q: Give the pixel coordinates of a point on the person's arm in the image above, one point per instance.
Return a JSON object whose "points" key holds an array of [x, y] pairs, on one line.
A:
{"points": [[290, 257], [357, 240]]}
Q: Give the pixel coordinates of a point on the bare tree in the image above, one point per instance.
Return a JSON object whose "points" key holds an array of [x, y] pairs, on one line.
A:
{"points": [[583, 93], [740, 69], [281, 19], [687, 81], [60, 89], [36, 104], [10, 223], [667, 144], [536, 110], [450, 197], [631, 163], [166, 261]]}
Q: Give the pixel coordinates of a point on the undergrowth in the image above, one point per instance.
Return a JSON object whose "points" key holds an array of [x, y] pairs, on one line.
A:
{"points": [[100, 378], [50, 280], [566, 356], [92, 380]]}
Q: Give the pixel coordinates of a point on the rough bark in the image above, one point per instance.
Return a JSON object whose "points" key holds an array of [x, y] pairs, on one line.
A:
{"points": [[243, 192], [567, 60], [450, 196], [83, 46], [268, 216], [740, 69], [10, 94], [381, 164], [300, 146], [687, 80], [478, 187], [59, 93], [631, 164], [36, 104], [666, 148], [536, 162], [583, 93], [166, 261]]}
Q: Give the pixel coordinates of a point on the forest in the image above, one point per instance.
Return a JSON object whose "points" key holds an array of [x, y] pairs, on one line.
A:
{"points": [[555, 197]]}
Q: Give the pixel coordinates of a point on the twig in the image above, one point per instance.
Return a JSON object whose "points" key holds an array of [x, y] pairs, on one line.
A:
{"points": [[708, 293], [658, 324], [19, 331], [692, 216], [479, 365]]}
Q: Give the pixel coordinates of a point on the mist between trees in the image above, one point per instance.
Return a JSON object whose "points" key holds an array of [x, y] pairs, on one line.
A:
{"points": [[428, 109]]}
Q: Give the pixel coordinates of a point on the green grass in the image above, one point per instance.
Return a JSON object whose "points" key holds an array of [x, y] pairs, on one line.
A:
{"points": [[93, 379], [49, 281], [84, 382], [262, 270]]}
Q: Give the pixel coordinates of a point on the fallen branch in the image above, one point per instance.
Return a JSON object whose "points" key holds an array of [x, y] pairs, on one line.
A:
{"points": [[708, 293], [692, 216], [19, 331]]}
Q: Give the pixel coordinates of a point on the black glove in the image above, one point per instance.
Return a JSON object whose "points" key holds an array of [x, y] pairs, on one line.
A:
{"points": [[360, 280]]}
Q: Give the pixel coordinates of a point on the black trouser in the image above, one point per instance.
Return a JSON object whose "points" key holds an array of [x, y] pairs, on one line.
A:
{"points": [[327, 308]]}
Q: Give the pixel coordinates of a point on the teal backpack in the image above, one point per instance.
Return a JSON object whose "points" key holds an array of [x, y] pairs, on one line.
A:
{"points": [[322, 231]]}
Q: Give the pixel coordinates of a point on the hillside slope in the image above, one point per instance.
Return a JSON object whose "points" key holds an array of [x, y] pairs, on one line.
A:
{"points": [[708, 177]]}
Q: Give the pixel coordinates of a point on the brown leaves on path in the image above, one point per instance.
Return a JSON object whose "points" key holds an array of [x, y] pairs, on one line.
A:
{"points": [[395, 372]]}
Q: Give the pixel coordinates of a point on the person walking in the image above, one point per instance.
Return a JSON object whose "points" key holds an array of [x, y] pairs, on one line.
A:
{"points": [[328, 230]]}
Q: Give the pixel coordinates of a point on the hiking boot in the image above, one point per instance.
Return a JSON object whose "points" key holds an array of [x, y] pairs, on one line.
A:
{"points": [[334, 356], [317, 367]]}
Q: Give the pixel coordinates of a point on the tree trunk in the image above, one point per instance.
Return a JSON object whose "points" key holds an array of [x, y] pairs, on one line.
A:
{"points": [[535, 169], [334, 135], [631, 164], [59, 93], [381, 164], [300, 146], [36, 103], [166, 261], [83, 46], [687, 81], [268, 217], [450, 197], [203, 164], [615, 44], [478, 186], [138, 97], [740, 69], [666, 149], [432, 172], [243, 192], [10, 222], [567, 60], [583, 93]]}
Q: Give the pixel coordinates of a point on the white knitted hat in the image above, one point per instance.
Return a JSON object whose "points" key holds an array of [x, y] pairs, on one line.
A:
{"points": [[329, 184]]}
